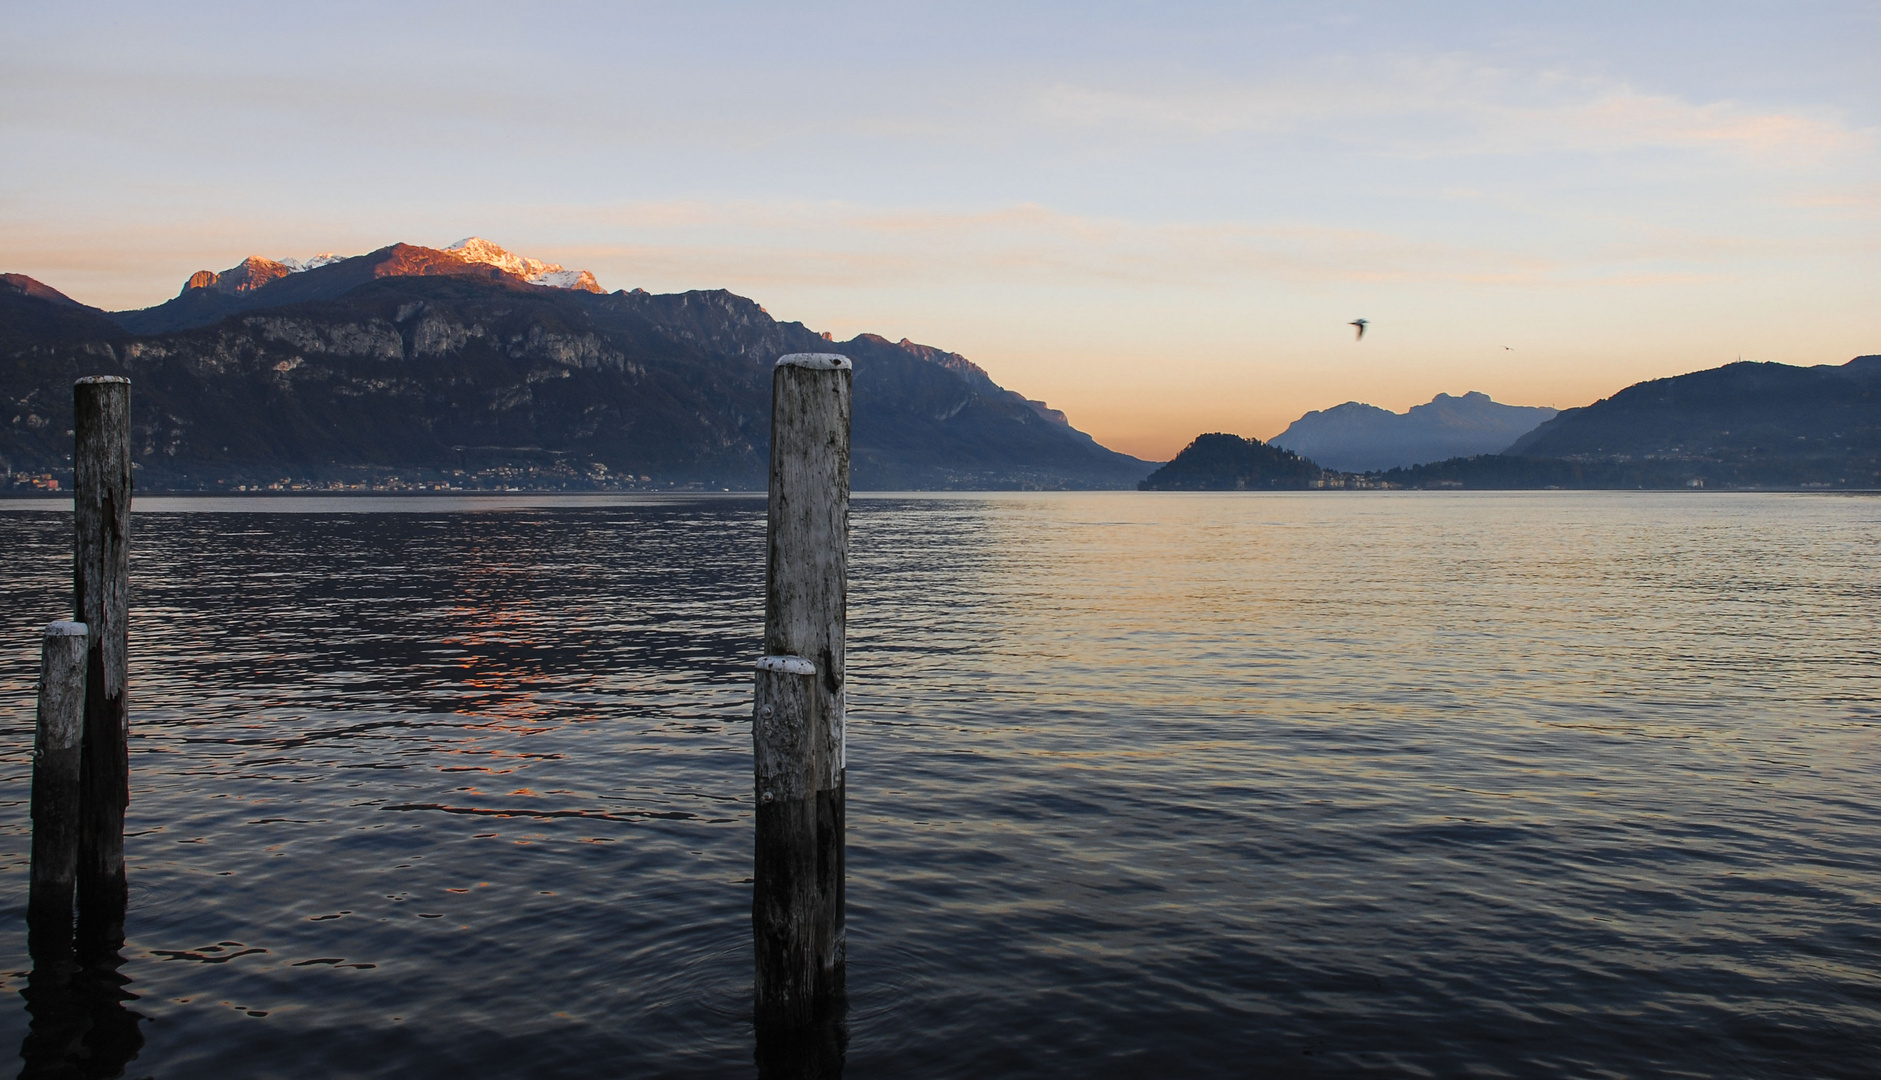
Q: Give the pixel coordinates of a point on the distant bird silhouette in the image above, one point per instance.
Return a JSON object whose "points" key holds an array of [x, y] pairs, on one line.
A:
{"points": [[1508, 348], [1361, 324]]}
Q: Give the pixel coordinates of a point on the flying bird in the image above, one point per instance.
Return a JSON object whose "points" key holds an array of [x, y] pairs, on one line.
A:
{"points": [[1361, 324]]}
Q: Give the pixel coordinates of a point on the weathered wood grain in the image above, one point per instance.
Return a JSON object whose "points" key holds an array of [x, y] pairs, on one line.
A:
{"points": [[56, 740], [101, 463], [806, 578], [798, 719]]}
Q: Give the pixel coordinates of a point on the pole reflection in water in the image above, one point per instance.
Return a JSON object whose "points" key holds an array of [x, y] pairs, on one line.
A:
{"points": [[75, 998], [812, 1051]]}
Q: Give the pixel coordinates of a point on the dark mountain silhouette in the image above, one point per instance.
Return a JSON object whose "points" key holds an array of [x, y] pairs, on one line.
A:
{"points": [[1744, 424], [1364, 438], [1738, 426], [409, 362], [21, 285], [1221, 462], [36, 316]]}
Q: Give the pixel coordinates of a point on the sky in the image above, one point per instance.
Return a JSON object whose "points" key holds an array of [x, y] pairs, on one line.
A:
{"points": [[1157, 217]]}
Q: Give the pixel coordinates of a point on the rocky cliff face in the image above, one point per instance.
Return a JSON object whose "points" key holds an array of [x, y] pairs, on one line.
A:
{"points": [[420, 364], [252, 274]]}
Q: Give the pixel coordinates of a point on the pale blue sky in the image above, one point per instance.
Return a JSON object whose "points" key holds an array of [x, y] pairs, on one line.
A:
{"points": [[1157, 217]]}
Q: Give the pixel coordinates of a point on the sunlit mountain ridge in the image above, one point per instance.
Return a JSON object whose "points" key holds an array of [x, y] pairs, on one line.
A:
{"points": [[471, 367]]}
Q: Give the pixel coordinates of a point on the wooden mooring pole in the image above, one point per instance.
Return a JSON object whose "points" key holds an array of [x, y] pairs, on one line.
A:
{"points": [[55, 781], [797, 725], [57, 1019], [101, 496]]}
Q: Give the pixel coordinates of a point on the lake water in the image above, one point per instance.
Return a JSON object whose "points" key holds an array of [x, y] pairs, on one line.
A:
{"points": [[1404, 784]]}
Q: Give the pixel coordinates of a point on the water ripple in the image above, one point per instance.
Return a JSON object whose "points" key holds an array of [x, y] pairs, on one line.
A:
{"points": [[1141, 785]]}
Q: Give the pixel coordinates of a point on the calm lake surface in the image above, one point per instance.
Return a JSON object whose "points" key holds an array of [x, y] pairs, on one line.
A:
{"points": [[1398, 784]]}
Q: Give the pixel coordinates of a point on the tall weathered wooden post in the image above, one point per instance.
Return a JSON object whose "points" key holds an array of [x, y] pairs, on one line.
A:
{"points": [[61, 721], [101, 496], [57, 1019], [797, 725]]}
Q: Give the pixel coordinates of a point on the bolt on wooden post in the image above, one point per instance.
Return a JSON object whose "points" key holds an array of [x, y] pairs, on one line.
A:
{"points": [[101, 497], [61, 721], [797, 724]]}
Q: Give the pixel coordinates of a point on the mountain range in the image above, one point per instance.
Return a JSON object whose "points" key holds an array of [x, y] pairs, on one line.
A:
{"points": [[1355, 437], [471, 367], [1743, 425], [254, 272]]}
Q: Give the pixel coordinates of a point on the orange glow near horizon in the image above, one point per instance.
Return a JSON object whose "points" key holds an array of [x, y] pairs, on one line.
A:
{"points": [[1146, 382]]}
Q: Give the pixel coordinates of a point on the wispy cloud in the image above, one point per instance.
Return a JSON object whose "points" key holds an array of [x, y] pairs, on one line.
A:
{"points": [[1860, 203], [1448, 105], [762, 247], [834, 245], [1624, 119]]}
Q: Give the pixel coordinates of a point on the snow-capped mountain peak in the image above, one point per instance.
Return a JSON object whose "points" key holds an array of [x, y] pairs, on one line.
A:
{"points": [[478, 250], [254, 272], [313, 261]]}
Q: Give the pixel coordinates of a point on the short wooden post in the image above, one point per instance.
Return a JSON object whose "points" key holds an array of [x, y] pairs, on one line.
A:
{"points": [[101, 463], [55, 780], [797, 726]]}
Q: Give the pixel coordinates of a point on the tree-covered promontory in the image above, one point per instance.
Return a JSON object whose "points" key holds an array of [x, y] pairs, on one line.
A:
{"points": [[1222, 462]]}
